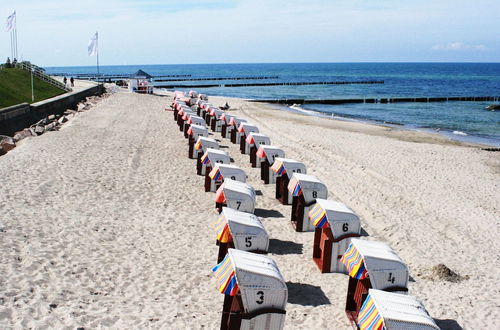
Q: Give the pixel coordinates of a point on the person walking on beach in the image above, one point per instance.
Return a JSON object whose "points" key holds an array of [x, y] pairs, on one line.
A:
{"points": [[65, 80], [72, 82]]}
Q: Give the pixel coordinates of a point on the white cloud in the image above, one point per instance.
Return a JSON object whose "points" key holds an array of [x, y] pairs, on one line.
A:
{"points": [[458, 46]]}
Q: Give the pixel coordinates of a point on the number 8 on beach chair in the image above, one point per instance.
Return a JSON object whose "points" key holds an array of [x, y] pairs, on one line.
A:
{"points": [[284, 169], [255, 292], [209, 159], [236, 195], [335, 225], [219, 172], [240, 230], [304, 189], [371, 265]]}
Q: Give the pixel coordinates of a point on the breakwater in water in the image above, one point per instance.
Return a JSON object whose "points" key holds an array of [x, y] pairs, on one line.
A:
{"points": [[383, 100], [305, 83]]}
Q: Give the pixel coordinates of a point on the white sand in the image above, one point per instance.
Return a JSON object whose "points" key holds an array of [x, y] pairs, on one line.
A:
{"points": [[108, 220]]}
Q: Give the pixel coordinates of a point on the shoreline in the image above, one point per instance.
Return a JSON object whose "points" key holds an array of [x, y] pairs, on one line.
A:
{"points": [[447, 135]]}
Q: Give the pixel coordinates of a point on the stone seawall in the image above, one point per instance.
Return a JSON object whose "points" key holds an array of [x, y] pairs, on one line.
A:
{"points": [[23, 115]]}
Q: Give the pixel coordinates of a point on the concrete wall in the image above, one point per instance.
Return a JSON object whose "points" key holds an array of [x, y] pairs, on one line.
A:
{"points": [[23, 115]]}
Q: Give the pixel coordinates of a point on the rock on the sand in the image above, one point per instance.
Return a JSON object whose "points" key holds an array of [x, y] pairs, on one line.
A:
{"points": [[6, 144]]}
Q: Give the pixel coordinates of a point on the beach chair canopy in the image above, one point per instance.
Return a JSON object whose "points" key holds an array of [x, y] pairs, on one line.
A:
{"points": [[203, 143], [193, 94], [197, 120], [308, 186], [393, 311], [234, 121], [197, 131], [270, 153], [336, 215], [227, 171], [288, 166], [245, 230], [185, 109], [258, 139], [186, 114], [255, 276], [247, 128], [215, 156], [203, 97], [376, 261], [178, 94], [237, 195]]}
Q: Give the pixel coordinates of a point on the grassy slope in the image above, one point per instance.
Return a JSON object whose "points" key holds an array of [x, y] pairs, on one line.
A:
{"points": [[15, 88]]}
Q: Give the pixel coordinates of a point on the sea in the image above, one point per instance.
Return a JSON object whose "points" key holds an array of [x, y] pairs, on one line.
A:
{"points": [[459, 120]]}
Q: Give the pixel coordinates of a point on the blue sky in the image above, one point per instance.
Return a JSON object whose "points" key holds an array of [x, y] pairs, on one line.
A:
{"points": [[56, 32]]}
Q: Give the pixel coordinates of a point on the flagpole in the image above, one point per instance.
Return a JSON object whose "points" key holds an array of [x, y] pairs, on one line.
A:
{"points": [[15, 40], [97, 57]]}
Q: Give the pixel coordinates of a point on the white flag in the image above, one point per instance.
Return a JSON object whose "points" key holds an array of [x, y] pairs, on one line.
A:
{"points": [[92, 47], [11, 22]]}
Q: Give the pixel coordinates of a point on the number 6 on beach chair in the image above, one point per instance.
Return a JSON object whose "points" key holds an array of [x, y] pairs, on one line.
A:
{"points": [[240, 230], [255, 292], [335, 225], [371, 265]]}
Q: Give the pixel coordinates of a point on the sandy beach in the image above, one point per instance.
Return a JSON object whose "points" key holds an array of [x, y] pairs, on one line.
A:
{"points": [[105, 224]]}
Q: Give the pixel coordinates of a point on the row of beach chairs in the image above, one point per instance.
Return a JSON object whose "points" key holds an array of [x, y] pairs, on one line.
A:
{"points": [[254, 288]]}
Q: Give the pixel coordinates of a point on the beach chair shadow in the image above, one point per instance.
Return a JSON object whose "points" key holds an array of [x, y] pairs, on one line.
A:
{"points": [[280, 247], [447, 324], [258, 192], [364, 233], [306, 295], [263, 213]]}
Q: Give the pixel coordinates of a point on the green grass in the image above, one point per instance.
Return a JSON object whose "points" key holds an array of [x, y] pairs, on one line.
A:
{"points": [[15, 88]]}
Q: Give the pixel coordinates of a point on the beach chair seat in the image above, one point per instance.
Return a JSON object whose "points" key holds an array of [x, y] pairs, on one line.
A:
{"points": [[239, 230], [393, 311], [209, 159], [265, 158], [305, 189], [255, 292], [371, 265], [236, 195], [335, 225]]}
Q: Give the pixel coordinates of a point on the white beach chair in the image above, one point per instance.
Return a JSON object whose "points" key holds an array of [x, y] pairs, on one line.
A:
{"points": [[335, 225], [240, 230], [236, 195], [305, 189], [220, 172], [209, 159], [265, 157], [255, 292], [393, 311], [284, 169], [253, 143], [372, 265]]}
